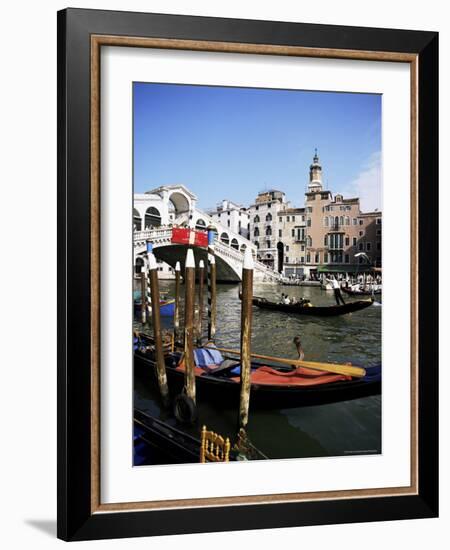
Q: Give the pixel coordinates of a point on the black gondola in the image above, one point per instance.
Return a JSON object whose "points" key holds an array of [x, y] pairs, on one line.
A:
{"points": [[222, 383], [157, 442], [321, 311], [352, 292]]}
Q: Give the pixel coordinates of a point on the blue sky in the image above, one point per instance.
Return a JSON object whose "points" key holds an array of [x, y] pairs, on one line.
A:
{"points": [[230, 143]]}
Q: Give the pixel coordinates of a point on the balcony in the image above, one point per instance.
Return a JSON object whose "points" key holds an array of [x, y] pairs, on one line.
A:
{"points": [[336, 227]]}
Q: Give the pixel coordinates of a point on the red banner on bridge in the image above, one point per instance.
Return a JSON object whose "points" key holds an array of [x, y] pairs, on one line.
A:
{"points": [[182, 235]]}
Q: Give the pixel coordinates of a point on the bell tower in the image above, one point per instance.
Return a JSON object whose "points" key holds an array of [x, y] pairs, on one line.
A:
{"points": [[315, 175]]}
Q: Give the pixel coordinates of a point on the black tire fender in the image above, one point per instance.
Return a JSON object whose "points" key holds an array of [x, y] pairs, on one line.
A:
{"points": [[184, 409]]}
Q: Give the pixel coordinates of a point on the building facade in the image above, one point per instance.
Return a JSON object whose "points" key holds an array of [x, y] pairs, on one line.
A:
{"points": [[233, 216], [265, 226], [337, 232], [327, 235], [291, 245]]}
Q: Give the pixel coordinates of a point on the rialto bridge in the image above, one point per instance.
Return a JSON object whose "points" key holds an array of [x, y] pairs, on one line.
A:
{"points": [[158, 210]]}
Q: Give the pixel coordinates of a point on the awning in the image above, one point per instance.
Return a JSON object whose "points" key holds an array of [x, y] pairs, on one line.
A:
{"points": [[337, 268]]}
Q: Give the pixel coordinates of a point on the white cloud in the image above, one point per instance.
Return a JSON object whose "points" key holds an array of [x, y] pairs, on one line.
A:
{"points": [[368, 184]]}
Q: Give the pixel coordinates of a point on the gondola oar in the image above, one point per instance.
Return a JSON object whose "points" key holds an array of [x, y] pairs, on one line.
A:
{"points": [[337, 368]]}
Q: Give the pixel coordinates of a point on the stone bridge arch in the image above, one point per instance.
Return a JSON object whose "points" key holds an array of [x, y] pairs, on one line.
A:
{"points": [[181, 202]]}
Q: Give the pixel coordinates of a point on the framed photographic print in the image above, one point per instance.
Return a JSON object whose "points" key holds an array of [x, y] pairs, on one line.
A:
{"points": [[247, 274]]}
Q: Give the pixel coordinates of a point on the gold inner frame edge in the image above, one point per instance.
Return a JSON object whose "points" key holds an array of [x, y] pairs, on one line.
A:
{"points": [[97, 41]]}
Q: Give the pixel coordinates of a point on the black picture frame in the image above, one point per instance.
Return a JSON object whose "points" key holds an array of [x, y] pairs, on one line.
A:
{"points": [[76, 521]]}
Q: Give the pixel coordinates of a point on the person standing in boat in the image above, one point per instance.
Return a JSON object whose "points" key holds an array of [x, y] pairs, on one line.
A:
{"points": [[337, 291], [300, 351]]}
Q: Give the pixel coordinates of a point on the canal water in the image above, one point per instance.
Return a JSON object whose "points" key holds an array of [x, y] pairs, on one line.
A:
{"points": [[345, 428]]}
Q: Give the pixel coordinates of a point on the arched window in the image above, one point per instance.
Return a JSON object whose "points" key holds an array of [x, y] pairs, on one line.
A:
{"points": [[152, 217], [336, 221], [325, 240], [269, 217], [268, 231], [243, 247], [256, 232], [137, 220], [235, 244], [347, 220], [200, 224], [341, 220], [308, 241], [256, 219], [326, 221], [225, 238]]}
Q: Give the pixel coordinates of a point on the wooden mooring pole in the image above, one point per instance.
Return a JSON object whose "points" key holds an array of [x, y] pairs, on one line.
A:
{"points": [[201, 277], [246, 335], [176, 314], [143, 296], [189, 325], [148, 294], [156, 320], [212, 289]]}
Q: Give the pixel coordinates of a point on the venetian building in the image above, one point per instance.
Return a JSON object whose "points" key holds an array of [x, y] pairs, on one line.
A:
{"points": [[291, 247], [316, 200], [337, 230], [264, 226], [233, 216]]}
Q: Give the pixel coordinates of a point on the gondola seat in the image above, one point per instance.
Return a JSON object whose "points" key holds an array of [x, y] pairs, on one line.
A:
{"points": [[301, 376]]}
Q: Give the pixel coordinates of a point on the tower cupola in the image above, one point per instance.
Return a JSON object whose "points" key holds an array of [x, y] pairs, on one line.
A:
{"points": [[315, 175]]}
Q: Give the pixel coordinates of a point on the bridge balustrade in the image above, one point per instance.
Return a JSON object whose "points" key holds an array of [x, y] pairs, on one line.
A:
{"points": [[224, 249]]}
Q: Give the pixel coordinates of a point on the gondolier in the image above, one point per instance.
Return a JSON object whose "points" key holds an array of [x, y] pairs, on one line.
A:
{"points": [[337, 291]]}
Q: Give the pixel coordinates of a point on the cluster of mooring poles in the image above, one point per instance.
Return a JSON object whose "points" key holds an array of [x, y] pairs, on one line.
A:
{"points": [[185, 403]]}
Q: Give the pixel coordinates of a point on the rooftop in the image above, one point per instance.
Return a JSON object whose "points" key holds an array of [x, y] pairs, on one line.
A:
{"points": [[351, 201], [287, 211], [377, 213], [269, 191]]}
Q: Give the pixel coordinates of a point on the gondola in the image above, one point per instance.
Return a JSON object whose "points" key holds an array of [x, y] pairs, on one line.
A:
{"points": [[271, 387], [166, 307], [157, 442], [352, 292], [322, 311]]}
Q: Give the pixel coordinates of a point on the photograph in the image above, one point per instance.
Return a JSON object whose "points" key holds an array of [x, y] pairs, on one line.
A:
{"points": [[247, 273], [257, 273]]}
